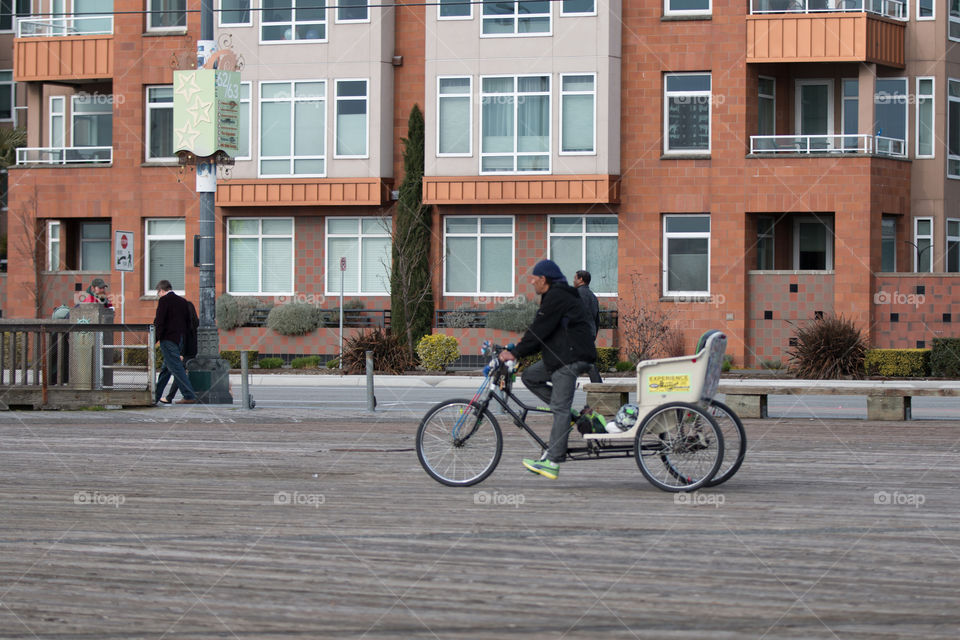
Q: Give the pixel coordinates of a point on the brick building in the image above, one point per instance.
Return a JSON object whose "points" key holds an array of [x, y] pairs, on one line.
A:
{"points": [[740, 166]]}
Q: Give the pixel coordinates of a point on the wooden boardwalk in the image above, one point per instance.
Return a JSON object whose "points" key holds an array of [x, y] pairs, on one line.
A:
{"points": [[115, 527]]}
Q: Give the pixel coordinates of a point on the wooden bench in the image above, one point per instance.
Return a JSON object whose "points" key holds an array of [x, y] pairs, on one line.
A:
{"points": [[886, 399]]}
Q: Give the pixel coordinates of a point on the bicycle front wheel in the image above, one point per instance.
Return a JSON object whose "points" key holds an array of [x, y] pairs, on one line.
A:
{"points": [[678, 447], [734, 441], [458, 444]]}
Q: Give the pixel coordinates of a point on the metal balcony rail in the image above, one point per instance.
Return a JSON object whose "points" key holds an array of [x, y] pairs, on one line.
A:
{"points": [[843, 144], [888, 8], [65, 26], [64, 155]]}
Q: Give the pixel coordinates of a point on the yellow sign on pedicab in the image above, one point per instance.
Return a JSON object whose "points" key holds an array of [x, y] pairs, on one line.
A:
{"points": [[669, 384]]}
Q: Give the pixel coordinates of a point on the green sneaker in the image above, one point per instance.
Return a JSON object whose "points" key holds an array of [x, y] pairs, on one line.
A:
{"points": [[545, 468]]}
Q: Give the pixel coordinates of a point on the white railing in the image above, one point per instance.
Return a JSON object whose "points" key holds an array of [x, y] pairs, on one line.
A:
{"points": [[65, 26], [64, 155], [859, 143], [889, 8]]}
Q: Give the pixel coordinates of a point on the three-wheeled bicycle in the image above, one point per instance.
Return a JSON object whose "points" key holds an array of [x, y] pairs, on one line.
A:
{"points": [[680, 443]]}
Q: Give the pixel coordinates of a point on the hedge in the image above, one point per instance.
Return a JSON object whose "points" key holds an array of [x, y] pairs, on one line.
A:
{"points": [[897, 362], [945, 357]]}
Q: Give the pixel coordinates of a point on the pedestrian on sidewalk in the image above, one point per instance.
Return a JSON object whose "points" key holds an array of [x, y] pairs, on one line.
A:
{"points": [[172, 322], [581, 281], [189, 352]]}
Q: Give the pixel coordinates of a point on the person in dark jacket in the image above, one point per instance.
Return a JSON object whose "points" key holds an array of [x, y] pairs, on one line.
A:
{"points": [[189, 351], [561, 332], [581, 281], [172, 323]]}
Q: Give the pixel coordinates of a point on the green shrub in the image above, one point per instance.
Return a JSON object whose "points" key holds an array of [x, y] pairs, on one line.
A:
{"points": [[771, 364], [390, 352], [625, 365], [233, 312], [727, 363], [271, 363], [513, 315], [305, 362], [233, 358], [333, 363], [437, 350], [607, 358], [945, 357], [828, 348], [897, 362], [295, 319]]}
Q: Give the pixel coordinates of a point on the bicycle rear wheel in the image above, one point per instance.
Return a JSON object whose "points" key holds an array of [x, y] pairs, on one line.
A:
{"points": [[734, 442], [678, 447], [458, 444]]}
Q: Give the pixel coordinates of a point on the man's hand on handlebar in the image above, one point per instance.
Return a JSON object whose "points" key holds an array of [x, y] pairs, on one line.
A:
{"points": [[507, 356]]}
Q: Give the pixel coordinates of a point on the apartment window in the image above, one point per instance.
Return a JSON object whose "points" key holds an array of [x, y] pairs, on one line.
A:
{"points": [[478, 255], [577, 7], [352, 11], [923, 245], [53, 245], [351, 133], [92, 121], [953, 128], [4, 189], [765, 245], [953, 245], [812, 243], [578, 109], [523, 18], [57, 121], [515, 124], [95, 246], [686, 255], [954, 26], [686, 7], [890, 113], [6, 95], [365, 243], [234, 13], [586, 242], [925, 118], [292, 128], [687, 113], [454, 9], [888, 244], [10, 9], [455, 121], [850, 113], [925, 10], [260, 256], [291, 20], [160, 123], [767, 106], [164, 246], [243, 132], [167, 15]]}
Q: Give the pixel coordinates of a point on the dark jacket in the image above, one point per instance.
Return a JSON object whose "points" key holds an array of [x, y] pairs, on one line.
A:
{"points": [[593, 307], [190, 340], [173, 319], [560, 330]]}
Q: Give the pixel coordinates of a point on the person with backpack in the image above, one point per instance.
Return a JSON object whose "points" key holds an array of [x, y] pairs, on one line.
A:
{"points": [[189, 352]]}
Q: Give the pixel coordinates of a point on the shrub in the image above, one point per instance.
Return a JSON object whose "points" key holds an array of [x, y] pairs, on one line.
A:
{"points": [[459, 318], [607, 358], [271, 363], [727, 363], [353, 304], [333, 363], [436, 351], [625, 365], [828, 348], [295, 319], [771, 364], [897, 362], [233, 357], [233, 312], [945, 357], [513, 315], [305, 362], [390, 353]]}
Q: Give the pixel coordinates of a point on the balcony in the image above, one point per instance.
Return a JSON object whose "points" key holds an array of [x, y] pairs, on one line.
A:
{"points": [[518, 189], [64, 155], [832, 144], [827, 31], [67, 48]]}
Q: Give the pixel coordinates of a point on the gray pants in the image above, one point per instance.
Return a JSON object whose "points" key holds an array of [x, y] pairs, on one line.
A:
{"points": [[556, 389]]}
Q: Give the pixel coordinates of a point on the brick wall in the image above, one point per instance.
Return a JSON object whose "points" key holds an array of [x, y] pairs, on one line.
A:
{"points": [[779, 302], [913, 309]]}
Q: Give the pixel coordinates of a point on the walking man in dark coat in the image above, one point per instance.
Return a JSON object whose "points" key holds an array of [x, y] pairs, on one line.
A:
{"points": [[173, 323], [581, 281]]}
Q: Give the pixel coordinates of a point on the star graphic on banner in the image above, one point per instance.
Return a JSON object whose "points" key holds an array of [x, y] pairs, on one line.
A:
{"points": [[186, 138], [200, 110], [187, 85]]}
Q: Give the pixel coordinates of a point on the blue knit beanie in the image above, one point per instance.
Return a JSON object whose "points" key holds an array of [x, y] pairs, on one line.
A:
{"points": [[550, 270]]}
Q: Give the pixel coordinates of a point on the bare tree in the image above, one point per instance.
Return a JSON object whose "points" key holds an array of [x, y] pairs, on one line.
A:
{"points": [[648, 327], [29, 242]]}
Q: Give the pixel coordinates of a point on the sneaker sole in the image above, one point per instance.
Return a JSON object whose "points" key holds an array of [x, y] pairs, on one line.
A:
{"points": [[542, 472]]}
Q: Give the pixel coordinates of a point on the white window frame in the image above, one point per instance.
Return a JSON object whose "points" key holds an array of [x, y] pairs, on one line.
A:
{"points": [[828, 223], [53, 245], [844, 99], [336, 124], [340, 6], [14, 14], [583, 234], [221, 12], [73, 115], [478, 235], [767, 96], [84, 267], [916, 243], [293, 24], [150, 108], [906, 109], [953, 160], [667, 11], [515, 95], [13, 95], [593, 94], [798, 102], [933, 11], [291, 99], [149, 279], [516, 15], [955, 238], [666, 114], [469, 96], [921, 98], [175, 29], [260, 236], [893, 221], [665, 267], [333, 288], [564, 13], [469, 15], [249, 102], [54, 113], [771, 236], [953, 23]]}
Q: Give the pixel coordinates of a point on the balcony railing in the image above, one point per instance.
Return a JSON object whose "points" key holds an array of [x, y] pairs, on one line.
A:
{"points": [[64, 155], [849, 144], [888, 8], [65, 26]]}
